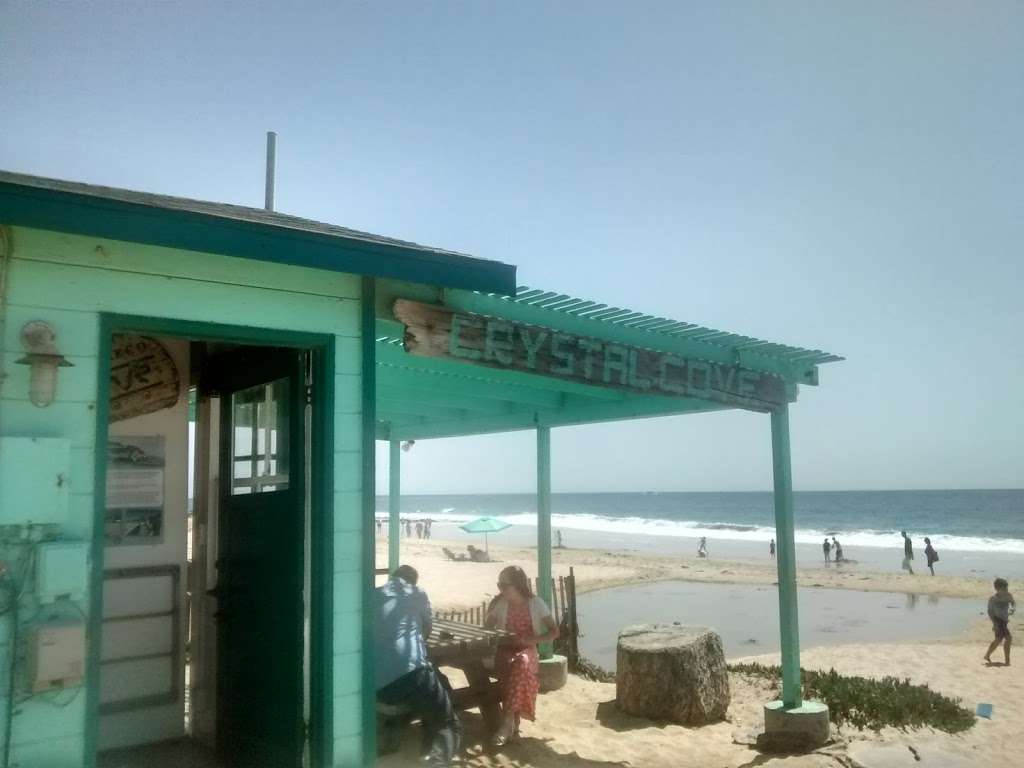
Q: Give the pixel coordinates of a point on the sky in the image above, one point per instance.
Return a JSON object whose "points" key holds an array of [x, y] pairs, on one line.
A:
{"points": [[836, 176]]}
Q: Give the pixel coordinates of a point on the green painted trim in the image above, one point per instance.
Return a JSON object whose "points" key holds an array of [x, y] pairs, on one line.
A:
{"points": [[418, 428], [83, 214], [391, 408], [369, 487], [97, 553], [442, 398], [394, 502], [393, 375], [789, 624], [322, 546], [544, 524], [203, 331], [394, 357], [321, 639]]}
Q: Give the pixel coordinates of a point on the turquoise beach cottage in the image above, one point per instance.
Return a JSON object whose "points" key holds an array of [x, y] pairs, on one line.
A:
{"points": [[190, 395]]}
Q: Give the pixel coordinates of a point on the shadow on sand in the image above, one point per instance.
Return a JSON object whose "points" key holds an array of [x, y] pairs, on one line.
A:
{"points": [[611, 717], [527, 752]]}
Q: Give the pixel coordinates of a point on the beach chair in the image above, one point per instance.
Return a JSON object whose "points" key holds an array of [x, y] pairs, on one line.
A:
{"points": [[453, 556]]}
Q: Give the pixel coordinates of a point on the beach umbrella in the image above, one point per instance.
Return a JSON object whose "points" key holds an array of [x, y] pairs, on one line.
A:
{"points": [[485, 525]]}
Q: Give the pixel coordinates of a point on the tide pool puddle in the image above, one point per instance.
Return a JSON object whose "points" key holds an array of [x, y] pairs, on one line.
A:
{"points": [[747, 616]]}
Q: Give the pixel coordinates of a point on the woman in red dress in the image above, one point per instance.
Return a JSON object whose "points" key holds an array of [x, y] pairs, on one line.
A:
{"points": [[516, 610]]}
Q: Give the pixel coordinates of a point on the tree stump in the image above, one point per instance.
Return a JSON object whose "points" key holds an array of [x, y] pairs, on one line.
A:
{"points": [[671, 672]]}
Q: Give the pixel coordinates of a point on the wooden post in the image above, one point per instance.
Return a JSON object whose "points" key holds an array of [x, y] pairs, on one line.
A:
{"points": [[574, 626], [789, 625], [394, 503], [561, 595], [544, 523]]}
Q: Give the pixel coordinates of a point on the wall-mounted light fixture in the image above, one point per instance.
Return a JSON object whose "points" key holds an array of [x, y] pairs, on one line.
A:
{"points": [[40, 343]]}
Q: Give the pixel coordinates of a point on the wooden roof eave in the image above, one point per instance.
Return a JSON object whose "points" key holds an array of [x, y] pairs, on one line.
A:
{"points": [[250, 233]]}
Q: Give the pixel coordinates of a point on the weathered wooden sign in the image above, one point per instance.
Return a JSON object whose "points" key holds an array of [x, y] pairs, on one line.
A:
{"points": [[143, 377], [433, 331]]}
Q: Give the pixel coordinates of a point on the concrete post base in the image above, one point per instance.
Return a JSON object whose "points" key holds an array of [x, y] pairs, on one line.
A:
{"points": [[802, 729], [553, 673]]}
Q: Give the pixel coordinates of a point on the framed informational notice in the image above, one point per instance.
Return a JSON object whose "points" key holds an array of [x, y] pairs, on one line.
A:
{"points": [[135, 490]]}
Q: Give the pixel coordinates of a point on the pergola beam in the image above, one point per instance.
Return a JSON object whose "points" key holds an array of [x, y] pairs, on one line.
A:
{"points": [[391, 377], [386, 408], [443, 397], [609, 331], [633, 408], [548, 388]]}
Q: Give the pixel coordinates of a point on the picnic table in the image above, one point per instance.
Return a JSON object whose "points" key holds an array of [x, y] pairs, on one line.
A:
{"points": [[466, 647]]}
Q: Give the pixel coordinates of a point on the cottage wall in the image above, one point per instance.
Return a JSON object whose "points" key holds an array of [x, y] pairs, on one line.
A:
{"points": [[68, 281]]}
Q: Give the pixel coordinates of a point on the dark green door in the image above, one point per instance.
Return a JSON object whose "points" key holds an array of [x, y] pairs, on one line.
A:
{"points": [[259, 563]]}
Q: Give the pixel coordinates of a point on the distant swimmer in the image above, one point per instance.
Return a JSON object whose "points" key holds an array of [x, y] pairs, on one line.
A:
{"points": [[908, 553], [771, 549], [930, 554], [702, 550]]}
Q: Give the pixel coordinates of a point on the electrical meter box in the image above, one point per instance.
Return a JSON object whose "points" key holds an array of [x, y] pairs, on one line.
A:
{"points": [[62, 570], [56, 655]]}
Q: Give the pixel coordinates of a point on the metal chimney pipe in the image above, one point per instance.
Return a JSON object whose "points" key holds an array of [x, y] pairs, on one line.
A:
{"points": [[271, 165]]}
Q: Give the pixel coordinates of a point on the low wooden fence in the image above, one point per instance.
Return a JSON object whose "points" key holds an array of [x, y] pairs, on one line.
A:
{"points": [[563, 608]]}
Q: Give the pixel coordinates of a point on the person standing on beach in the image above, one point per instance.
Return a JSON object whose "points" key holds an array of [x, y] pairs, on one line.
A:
{"points": [[837, 550], [826, 547], [908, 553], [1000, 607], [930, 554], [771, 549], [515, 609], [419, 529], [702, 549]]}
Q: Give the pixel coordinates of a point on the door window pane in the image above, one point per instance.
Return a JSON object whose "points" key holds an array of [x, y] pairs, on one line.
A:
{"points": [[259, 439]]}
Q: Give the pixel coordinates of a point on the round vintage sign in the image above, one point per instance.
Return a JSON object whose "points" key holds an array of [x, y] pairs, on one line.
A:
{"points": [[143, 377]]}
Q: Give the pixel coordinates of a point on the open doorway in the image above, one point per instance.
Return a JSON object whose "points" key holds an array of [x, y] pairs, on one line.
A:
{"points": [[205, 650]]}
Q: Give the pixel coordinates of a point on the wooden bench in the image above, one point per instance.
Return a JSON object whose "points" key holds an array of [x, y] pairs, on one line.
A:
{"points": [[390, 720], [463, 646]]}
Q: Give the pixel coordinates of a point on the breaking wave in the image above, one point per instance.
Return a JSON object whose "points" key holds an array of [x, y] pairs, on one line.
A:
{"points": [[640, 526]]}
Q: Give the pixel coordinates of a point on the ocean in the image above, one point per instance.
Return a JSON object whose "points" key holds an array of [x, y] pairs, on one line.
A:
{"points": [[959, 520]]}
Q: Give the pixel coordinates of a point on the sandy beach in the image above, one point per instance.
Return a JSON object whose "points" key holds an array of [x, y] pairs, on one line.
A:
{"points": [[460, 585], [579, 726]]}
